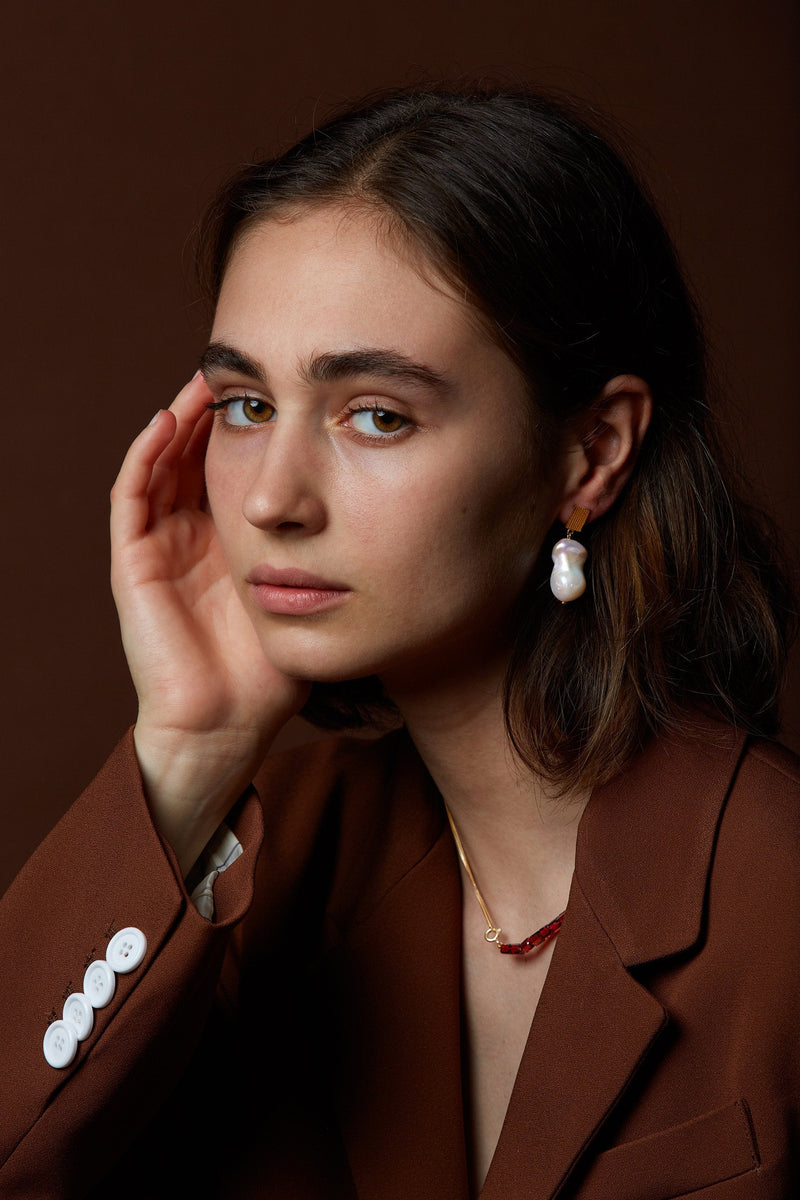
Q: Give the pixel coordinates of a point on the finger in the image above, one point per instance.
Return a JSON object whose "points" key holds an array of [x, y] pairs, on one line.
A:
{"points": [[190, 410], [130, 501], [190, 405], [192, 482]]}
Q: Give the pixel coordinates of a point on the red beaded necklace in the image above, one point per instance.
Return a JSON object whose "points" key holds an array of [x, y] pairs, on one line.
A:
{"points": [[492, 934]]}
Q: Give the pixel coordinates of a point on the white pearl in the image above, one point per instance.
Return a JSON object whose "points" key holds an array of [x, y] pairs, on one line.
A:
{"points": [[567, 580]]}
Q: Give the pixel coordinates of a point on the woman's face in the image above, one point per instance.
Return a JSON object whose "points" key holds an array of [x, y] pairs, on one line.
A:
{"points": [[370, 470]]}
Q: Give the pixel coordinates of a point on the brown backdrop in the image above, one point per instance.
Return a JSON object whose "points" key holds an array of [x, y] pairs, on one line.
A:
{"points": [[119, 121]]}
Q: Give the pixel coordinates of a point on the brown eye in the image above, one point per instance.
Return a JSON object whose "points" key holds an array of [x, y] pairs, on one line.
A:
{"points": [[248, 410], [386, 422], [257, 410], [371, 421]]}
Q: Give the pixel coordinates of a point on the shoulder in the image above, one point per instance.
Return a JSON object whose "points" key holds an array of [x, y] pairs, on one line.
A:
{"points": [[768, 769], [702, 817], [762, 811], [710, 768], [758, 844], [756, 847]]}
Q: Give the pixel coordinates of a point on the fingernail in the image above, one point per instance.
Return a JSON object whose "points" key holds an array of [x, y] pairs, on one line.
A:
{"points": [[197, 372], [155, 418]]}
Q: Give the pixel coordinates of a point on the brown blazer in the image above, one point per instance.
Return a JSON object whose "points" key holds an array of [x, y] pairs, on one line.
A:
{"points": [[663, 1060]]}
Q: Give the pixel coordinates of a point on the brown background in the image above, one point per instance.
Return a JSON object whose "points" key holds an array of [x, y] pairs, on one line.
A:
{"points": [[120, 120]]}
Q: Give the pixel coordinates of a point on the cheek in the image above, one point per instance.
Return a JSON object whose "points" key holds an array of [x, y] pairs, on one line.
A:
{"points": [[214, 465], [468, 524], [492, 501], [224, 490]]}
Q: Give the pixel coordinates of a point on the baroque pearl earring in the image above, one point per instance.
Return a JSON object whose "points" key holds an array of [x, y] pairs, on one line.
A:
{"points": [[567, 580]]}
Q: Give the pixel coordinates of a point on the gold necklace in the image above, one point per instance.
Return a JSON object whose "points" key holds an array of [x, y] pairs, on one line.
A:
{"points": [[492, 934]]}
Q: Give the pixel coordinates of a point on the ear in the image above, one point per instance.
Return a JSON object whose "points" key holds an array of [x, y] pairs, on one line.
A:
{"points": [[605, 446]]}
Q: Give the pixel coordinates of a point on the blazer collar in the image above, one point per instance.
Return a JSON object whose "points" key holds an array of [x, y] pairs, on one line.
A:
{"points": [[660, 816], [644, 851]]}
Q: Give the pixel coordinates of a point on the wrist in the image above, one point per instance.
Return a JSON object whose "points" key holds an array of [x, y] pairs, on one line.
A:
{"points": [[192, 780]]}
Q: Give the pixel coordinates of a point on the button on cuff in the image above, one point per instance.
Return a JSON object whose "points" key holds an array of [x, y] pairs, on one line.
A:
{"points": [[99, 983], [80, 1014], [126, 950], [60, 1044]]}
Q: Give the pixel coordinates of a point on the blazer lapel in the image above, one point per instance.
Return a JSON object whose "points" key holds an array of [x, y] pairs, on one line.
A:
{"points": [[645, 846], [593, 1028]]}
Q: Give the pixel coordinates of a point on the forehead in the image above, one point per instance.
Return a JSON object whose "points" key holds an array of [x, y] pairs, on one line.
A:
{"points": [[342, 273]]}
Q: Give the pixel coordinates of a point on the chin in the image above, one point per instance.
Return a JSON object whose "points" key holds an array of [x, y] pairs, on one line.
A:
{"points": [[313, 660]]}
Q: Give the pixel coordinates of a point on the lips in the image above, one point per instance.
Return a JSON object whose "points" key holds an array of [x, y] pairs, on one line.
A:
{"points": [[291, 577], [288, 591]]}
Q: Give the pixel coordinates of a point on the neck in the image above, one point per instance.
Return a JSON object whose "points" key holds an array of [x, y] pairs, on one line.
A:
{"points": [[518, 835]]}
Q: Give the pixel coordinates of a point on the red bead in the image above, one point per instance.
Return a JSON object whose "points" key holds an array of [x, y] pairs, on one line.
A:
{"points": [[539, 938]]}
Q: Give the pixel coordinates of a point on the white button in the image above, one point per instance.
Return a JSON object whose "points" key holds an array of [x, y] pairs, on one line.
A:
{"points": [[80, 1014], [60, 1044], [126, 950], [99, 983]]}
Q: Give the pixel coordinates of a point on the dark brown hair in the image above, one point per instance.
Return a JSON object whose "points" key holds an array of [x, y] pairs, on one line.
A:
{"points": [[527, 206]]}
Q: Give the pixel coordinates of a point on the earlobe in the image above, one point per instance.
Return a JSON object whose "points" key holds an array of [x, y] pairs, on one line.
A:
{"points": [[607, 445]]}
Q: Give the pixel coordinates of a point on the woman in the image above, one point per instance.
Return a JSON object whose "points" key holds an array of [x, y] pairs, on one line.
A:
{"points": [[449, 332]]}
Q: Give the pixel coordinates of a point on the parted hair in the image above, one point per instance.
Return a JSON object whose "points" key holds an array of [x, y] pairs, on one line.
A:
{"points": [[531, 207]]}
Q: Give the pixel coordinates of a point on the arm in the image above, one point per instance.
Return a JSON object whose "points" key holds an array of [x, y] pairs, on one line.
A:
{"points": [[210, 703], [104, 867], [209, 706]]}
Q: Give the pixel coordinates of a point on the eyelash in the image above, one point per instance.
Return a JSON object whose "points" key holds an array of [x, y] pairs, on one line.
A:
{"points": [[389, 436], [222, 405]]}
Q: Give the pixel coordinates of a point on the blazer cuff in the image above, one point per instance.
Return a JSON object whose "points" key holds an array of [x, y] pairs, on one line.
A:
{"points": [[103, 870]]}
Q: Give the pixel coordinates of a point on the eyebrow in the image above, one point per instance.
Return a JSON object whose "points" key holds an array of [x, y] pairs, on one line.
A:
{"points": [[332, 367], [386, 364], [219, 356]]}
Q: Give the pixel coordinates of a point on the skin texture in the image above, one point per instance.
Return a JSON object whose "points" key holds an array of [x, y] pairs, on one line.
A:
{"points": [[433, 528]]}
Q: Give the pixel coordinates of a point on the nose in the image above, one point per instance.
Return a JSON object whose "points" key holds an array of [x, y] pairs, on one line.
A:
{"points": [[286, 491]]}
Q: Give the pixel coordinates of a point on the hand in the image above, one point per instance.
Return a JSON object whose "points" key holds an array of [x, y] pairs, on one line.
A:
{"points": [[210, 702]]}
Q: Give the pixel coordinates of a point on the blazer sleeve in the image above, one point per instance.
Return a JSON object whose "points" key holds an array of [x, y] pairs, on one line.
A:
{"points": [[101, 871]]}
